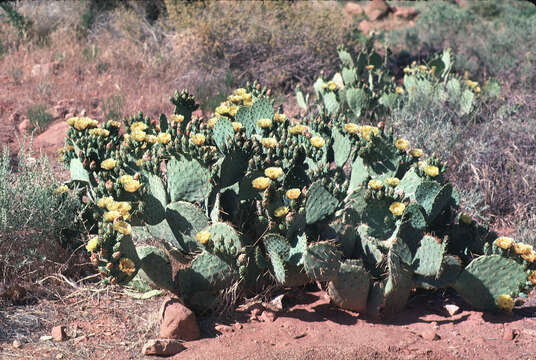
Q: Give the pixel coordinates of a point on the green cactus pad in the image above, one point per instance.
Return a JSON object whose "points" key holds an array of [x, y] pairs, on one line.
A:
{"points": [[466, 102], [246, 189], [243, 116], [233, 168], [341, 147], [345, 237], [433, 198], [429, 257], [322, 261], [409, 183], [369, 246], [379, 218], [261, 109], [155, 267], [295, 276], [375, 299], [357, 100], [277, 244], [297, 177], [450, 269], [214, 272], [278, 266], [225, 234], [349, 76], [345, 57], [78, 173], [298, 246], [155, 201], [223, 134], [398, 287], [127, 249], [488, 277], [320, 203], [186, 220], [351, 287], [163, 122], [331, 103], [260, 259], [188, 180]]}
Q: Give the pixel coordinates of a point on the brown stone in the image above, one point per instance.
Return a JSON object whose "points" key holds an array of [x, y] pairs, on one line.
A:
{"points": [[353, 9], [406, 13], [452, 309], [223, 328], [162, 347], [268, 316], [509, 333], [17, 344], [24, 126], [57, 112], [177, 321], [376, 9], [430, 335], [58, 333]]}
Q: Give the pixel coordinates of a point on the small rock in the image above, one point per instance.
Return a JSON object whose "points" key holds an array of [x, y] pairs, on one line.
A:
{"points": [[45, 69], [178, 322], [268, 316], [69, 115], [406, 13], [58, 333], [45, 338], [353, 9], [57, 112], [376, 9], [17, 344], [223, 328], [59, 356], [237, 326], [365, 26], [452, 309], [430, 335], [509, 333], [254, 314], [162, 347]]}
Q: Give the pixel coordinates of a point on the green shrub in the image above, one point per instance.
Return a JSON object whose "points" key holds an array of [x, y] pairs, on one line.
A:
{"points": [[39, 118]]}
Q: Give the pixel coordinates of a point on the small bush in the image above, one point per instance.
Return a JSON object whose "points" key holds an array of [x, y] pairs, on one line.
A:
{"points": [[39, 118]]}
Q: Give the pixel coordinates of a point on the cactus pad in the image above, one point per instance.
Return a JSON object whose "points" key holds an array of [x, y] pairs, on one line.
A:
{"points": [[351, 287], [320, 203], [322, 261], [188, 180]]}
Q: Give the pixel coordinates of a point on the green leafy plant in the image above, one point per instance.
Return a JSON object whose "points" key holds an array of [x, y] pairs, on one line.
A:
{"points": [[39, 118]]}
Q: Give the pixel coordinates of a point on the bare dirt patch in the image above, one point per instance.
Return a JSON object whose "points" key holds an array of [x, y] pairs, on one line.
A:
{"points": [[105, 324]]}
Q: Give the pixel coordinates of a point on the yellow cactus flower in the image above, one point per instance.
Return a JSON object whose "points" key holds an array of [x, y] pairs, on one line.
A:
{"points": [[108, 164], [99, 132], [138, 135], [280, 118], [114, 123], [92, 244], [83, 123], [237, 126], [416, 152], [478, 90], [212, 121], [203, 236], [297, 129], [151, 139], [164, 138], [532, 277], [399, 90], [122, 227], [198, 139], [270, 142], [103, 202], [264, 123], [176, 118], [139, 162], [273, 172], [261, 183], [522, 249], [352, 128], [132, 186], [431, 170], [223, 109], [247, 98], [235, 99], [71, 121], [111, 215], [530, 257], [281, 211], [138, 126], [369, 67], [367, 130], [125, 178], [317, 141], [401, 144], [422, 68], [233, 110], [505, 302], [332, 85], [293, 193], [375, 184], [127, 266], [466, 219], [392, 181], [504, 242], [397, 208], [407, 70], [61, 189], [240, 91]]}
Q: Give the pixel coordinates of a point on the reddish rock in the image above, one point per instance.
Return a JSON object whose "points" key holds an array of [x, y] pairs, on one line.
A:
{"points": [[406, 13], [376, 9], [353, 9], [162, 347], [58, 333], [223, 328], [430, 335], [178, 322], [57, 112], [268, 316], [509, 333], [255, 312]]}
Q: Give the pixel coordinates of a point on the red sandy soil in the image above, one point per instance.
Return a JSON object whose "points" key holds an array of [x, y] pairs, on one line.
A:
{"points": [[103, 324]]}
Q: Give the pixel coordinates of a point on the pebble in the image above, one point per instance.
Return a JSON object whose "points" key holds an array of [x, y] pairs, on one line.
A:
{"points": [[452, 309], [509, 333]]}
